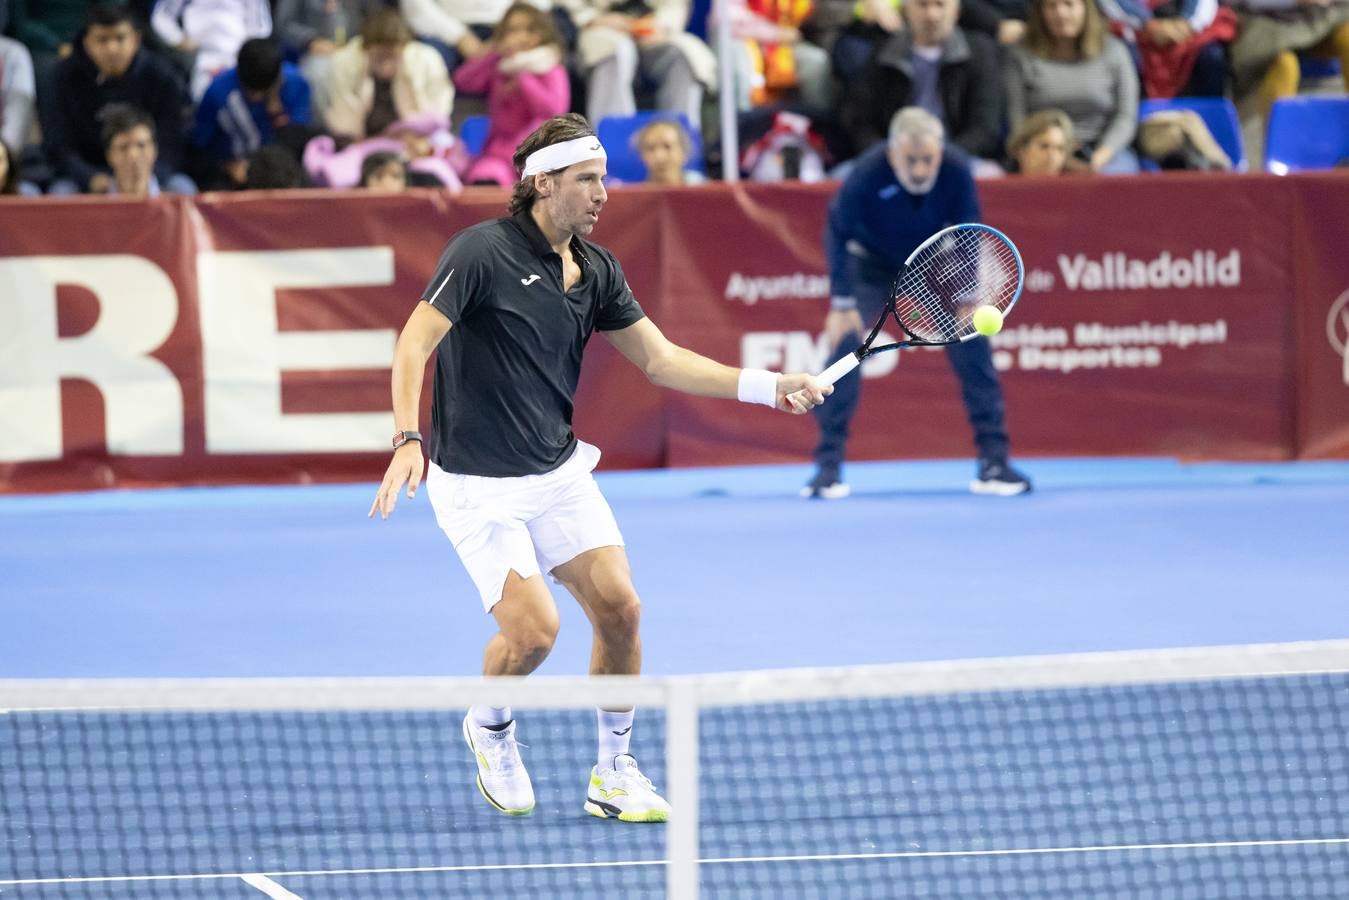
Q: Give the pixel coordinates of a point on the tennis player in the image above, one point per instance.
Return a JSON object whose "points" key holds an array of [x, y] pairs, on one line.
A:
{"points": [[509, 310], [897, 196]]}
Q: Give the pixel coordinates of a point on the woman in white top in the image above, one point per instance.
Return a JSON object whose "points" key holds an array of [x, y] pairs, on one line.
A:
{"points": [[383, 77]]}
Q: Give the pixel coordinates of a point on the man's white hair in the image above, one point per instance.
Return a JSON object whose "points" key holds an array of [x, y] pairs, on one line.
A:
{"points": [[915, 122]]}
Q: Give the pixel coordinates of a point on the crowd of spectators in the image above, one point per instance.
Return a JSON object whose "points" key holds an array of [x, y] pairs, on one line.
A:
{"points": [[135, 98]]}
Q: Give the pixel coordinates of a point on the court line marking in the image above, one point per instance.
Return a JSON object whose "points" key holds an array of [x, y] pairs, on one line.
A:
{"points": [[821, 857], [269, 887]]}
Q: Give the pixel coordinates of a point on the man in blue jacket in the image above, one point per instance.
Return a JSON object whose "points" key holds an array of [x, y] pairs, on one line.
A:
{"points": [[898, 195], [245, 107]]}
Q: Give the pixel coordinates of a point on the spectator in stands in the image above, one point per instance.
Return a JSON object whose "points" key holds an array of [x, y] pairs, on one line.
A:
{"points": [[665, 148], [11, 182], [383, 77], [384, 173], [1273, 33], [1070, 62], [853, 30], [130, 147], [18, 92], [772, 57], [210, 33], [622, 51], [50, 28], [1180, 45], [108, 65], [313, 30], [272, 167], [1179, 139], [937, 66], [244, 108], [1042, 144], [525, 83], [456, 28]]}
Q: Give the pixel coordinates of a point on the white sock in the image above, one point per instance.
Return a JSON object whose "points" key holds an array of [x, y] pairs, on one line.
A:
{"points": [[615, 730], [487, 716]]}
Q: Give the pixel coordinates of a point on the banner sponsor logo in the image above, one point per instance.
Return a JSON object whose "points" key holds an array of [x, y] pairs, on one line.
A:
{"points": [[1095, 345], [243, 353], [802, 351], [1337, 330], [1120, 272], [750, 289]]}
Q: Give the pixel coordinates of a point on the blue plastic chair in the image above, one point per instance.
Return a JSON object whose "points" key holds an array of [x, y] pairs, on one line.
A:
{"points": [[1218, 114], [616, 133], [473, 133], [1307, 133]]}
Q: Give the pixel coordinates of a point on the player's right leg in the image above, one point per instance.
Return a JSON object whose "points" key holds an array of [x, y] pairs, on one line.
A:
{"points": [[484, 518], [527, 618]]}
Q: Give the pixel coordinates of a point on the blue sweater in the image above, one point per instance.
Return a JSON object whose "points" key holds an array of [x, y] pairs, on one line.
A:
{"points": [[873, 212], [229, 127]]}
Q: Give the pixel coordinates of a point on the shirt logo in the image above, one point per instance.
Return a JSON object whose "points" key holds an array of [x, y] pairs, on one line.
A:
{"points": [[530, 280]]}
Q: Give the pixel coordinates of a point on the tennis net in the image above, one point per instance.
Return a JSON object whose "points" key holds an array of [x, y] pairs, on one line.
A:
{"points": [[1196, 773]]}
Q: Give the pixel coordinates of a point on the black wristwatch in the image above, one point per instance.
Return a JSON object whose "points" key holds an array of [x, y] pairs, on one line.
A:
{"points": [[402, 437]]}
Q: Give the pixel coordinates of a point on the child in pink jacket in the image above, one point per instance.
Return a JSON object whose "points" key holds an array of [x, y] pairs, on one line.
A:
{"points": [[525, 83]]}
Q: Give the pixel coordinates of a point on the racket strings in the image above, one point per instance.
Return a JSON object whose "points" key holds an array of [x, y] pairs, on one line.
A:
{"points": [[936, 298]]}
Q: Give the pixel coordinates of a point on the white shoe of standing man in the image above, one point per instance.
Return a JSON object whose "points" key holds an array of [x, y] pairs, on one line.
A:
{"points": [[502, 778], [624, 793]]}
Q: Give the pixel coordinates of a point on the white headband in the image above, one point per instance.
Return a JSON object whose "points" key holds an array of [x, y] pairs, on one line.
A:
{"points": [[559, 156]]}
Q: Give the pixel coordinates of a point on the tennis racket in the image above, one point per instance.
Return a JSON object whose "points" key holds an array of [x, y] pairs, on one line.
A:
{"points": [[943, 282]]}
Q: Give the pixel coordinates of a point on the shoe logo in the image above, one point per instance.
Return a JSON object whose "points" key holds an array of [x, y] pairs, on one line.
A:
{"points": [[530, 280], [624, 731], [611, 793], [482, 761]]}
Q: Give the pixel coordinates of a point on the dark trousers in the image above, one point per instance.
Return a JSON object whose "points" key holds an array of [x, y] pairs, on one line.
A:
{"points": [[972, 361]]}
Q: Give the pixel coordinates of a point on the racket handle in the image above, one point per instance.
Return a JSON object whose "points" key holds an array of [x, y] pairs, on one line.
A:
{"points": [[838, 369]]}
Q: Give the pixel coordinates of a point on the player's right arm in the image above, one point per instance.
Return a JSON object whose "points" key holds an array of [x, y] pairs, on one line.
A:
{"points": [[420, 336]]}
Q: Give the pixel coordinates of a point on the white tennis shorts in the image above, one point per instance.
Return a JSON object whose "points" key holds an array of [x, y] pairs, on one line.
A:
{"points": [[529, 523]]}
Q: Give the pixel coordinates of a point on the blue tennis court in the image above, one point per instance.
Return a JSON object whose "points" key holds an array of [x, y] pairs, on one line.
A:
{"points": [[1226, 788], [735, 571]]}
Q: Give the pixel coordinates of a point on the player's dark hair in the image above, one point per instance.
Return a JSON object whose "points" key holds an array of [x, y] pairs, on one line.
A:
{"points": [[554, 131], [259, 64], [107, 15], [119, 118]]}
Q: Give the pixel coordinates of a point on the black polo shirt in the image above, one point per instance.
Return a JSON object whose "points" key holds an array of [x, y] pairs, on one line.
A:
{"points": [[506, 373]]}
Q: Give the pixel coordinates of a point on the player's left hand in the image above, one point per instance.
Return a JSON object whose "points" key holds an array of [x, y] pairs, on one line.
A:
{"points": [[800, 393]]}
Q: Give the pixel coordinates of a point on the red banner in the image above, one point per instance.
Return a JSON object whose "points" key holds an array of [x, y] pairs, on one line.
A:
{"points": [[1321, 276], [248, 337], [1156, 328]]}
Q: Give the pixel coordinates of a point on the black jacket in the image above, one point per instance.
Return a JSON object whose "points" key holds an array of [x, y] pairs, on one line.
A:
{"points": [[71, 131], [969, 83]]}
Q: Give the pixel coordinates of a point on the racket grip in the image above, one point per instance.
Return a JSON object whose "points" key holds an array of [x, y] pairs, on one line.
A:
{"points": [[838, 369]]}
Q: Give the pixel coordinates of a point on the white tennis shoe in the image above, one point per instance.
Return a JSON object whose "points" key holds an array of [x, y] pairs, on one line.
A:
{"points": [[502, 778], [624, 793]]}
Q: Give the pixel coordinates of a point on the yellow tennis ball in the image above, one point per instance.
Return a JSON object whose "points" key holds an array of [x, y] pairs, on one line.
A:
{"points": [[987, 320]]}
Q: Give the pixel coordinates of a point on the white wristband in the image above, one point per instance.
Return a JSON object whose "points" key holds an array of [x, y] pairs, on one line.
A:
{"points": [[758, 386]]}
